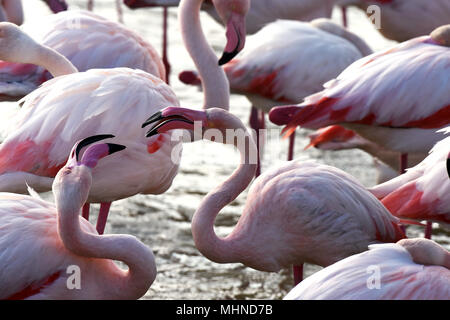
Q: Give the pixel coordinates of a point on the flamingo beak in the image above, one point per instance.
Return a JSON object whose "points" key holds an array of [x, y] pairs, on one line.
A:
{"points": [[172, 118], [282, 115], [108, 148], [235, 37], [448, 166]]}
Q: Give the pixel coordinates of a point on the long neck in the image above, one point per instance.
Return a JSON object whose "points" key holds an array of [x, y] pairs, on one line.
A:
{"points": [[214, 81], [223, 250], [54, 62], [118, 283]]}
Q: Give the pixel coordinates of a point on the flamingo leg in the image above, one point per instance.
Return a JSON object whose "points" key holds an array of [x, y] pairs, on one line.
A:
{"points": [[85, 211], [257, 122], [165, 57], [291, 147], [90, 5], [102, 217], [298, 274], [428, 230], [119, 11], [403, 162], [344, 16]]}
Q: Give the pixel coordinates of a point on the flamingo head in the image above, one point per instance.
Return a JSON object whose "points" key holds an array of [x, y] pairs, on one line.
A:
{"points": [[232, 13], [15, 45], [73, 181], [441, 35]]}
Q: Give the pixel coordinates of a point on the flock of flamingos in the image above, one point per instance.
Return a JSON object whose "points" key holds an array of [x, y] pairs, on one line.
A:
{"points": [[97, 117]]}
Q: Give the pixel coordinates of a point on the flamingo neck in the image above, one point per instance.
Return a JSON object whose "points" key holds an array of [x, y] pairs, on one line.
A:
{"points": [[214, 81], [54, 62], [117, 283], [229, 249]]}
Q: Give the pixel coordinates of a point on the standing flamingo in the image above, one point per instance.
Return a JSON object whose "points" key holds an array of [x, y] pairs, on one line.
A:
{"points": [[11, 10], [31, 226], [88, 41], [411, 269], [288, 60], [338, 138], [422, 192], [68, 107], [295, 213], [396, 16], [387, 97]]}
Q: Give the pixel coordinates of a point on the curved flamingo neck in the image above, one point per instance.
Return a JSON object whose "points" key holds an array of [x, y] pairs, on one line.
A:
{"points": [[224, 250], [117, 283], [214, 81], [54, 62]]}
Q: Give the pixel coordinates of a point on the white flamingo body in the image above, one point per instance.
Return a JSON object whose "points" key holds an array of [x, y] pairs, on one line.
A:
{"points": [[422, 192], [354, 278], [386, 97], [288, 60], [65, 109], [88, 41]]}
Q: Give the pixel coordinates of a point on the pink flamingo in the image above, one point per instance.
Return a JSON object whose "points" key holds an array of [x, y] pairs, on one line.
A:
{"points": [[73, 105], [338, 138], [396, 15], [260, 13], [11, 10], [411, 269], [31, 226], [295, 213], [283, 63], [422, 192], [94, 43], [387, 97]]}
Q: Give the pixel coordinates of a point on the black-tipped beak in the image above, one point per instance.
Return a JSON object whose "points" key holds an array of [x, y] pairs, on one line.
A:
{"points": [[90, 140], [159, 120], [113, 148], [228, 56], [156, 117]]}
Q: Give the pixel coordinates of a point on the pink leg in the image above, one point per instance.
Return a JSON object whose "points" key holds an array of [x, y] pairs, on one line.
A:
{"points": [[291, 147], [165, 57], [403, 166], [257, 122], [428, 230], [119, 11], [298, 274], [85, 212], [344, 17], [102, 217]]}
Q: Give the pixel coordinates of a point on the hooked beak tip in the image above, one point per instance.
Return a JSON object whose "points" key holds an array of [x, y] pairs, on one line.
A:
{"points": [[227, 57]]}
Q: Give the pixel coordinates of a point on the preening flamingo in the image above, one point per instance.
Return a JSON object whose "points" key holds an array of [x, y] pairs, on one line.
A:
{"points": [[66, 108], [422, 192], [396, 16], [338, 138], [288, 60], [88, 41], [41, 243], [297, 212], [387, 97], [12, 11], [411, 269]]}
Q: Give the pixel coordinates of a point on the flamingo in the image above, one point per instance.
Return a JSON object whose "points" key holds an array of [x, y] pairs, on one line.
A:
{"points": [[11, 10], [387, 97], [74, 104], [261, 12], [32, 226], [422, 192], [297, 212], [338, 138], [396, 15], [411, 269], [288, 60], [88, 41]]}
